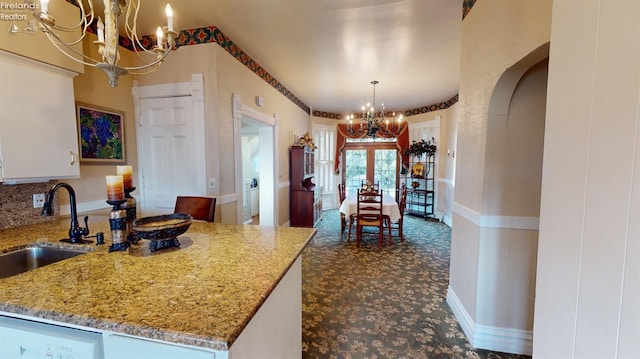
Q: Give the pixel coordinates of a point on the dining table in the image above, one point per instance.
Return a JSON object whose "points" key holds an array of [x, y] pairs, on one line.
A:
{"points": [[389, 206]]}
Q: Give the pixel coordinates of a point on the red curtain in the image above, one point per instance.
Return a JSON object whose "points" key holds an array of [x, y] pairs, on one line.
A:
{"points": [[402, 143]]}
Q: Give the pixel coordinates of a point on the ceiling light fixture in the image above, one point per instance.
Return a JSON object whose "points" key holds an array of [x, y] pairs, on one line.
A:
{"points": [[108, 36], [374, 124]]}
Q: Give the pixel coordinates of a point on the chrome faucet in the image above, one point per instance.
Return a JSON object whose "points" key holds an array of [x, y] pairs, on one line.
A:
{"points": [[75, 231]]}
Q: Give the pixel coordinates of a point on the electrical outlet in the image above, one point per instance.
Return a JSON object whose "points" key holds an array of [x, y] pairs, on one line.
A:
{"points": [[38, 200], [212, 183]]}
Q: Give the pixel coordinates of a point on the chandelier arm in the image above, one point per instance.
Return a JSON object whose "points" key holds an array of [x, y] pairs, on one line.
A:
{"points": [[151, 64], [108, 37], [56, 42], [48, 30], [85, 19]]}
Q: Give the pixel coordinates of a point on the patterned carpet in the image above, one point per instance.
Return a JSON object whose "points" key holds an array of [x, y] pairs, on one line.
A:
{"points": [[381, 303]]}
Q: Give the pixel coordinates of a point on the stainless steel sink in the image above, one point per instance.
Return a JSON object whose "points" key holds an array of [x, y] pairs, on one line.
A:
{"points": [[30, 258]]}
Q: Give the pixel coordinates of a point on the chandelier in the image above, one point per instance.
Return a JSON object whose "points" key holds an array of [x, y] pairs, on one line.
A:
{"points": [[373, 123], [108, 36]]}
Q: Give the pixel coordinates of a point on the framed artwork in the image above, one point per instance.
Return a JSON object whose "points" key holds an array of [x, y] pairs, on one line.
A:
{"points": [[100, 134]]}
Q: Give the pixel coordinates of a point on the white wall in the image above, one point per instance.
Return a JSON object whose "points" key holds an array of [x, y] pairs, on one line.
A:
{"points": [[588, 286]]}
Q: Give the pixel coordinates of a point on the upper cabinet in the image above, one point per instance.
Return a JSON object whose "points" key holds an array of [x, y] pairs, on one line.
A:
{"points": [[38, 136]]}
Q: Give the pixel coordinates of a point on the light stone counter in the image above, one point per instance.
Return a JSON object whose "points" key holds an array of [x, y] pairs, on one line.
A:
{"points": [[203, 293]]}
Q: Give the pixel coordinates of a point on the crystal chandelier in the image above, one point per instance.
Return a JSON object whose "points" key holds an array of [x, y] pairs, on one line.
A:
{"points": [[374, 124], [108, 35]]}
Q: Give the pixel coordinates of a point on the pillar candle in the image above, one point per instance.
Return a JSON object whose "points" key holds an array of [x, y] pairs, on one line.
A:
{"points": [[115, 188], [125, 172]]}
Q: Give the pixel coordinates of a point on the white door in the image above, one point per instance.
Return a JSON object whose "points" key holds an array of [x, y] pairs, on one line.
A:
{"points": [[171, 153]]}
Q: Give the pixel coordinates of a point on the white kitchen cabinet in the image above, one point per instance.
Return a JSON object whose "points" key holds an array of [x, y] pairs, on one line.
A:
{"points": [[255, 201], [38, 135]]}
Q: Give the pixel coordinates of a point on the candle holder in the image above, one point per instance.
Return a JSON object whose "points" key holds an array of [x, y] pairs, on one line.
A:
{"points": [[130, 206], [118, 226]]}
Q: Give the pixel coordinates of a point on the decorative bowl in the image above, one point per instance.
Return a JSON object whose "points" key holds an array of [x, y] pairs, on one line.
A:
{"points": [[167, 226]]}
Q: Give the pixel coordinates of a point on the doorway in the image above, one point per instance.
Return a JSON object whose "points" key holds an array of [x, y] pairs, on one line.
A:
{"points": [[250, 123]]}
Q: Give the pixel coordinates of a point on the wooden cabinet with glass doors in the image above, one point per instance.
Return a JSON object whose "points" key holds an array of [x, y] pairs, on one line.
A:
{"points": [[305, 198]]}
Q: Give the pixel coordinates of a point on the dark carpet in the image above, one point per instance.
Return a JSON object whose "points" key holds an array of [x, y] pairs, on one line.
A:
{"points": [[387, 302]]}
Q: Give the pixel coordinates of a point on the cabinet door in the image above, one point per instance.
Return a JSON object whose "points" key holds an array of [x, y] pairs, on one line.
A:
{"points": [[38, 136], [123, 347]]}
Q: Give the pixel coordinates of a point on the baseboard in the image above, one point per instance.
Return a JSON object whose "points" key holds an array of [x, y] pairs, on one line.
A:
{"points": [[461, 314], [506, 340], [447, 219]]}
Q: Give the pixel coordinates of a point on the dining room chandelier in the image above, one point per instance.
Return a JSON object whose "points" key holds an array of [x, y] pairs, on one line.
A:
{"points": [[108, 34], [373, 123]]}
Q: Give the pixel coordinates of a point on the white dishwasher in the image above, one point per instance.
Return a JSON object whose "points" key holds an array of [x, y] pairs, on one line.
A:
{"points": [[25, 339]]}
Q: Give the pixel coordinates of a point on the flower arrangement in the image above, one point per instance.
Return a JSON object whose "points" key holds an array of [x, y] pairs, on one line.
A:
{"points": [[418, 148], [306, 141]]}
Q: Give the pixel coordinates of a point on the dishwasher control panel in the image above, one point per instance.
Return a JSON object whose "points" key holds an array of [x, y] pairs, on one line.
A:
{"points": [[25, 339]]}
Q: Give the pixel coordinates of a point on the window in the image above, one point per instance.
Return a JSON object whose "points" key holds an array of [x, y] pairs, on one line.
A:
{"points": [[324, 138], [370, 161]]}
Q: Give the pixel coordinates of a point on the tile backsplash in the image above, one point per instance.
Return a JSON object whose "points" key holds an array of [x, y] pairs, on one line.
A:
{"points": [[16, 205]]}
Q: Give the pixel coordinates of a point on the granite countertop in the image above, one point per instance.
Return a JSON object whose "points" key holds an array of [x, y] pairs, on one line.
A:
{"points": [[203, 293]]}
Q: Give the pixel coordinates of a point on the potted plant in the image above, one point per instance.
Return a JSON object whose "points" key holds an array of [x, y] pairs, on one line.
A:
{"points": [[419, 148]]}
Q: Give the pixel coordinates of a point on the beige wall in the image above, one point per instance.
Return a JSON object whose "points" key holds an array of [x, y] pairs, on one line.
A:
{"points": [[93, 88], [495, 35], [224, 76], [588, 285], [36, 45], [497, 174]]}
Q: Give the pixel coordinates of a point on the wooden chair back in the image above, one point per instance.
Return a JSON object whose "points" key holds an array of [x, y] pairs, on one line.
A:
{"points": [[402, 204], [200, 208], [342, 193], [369, 213]]}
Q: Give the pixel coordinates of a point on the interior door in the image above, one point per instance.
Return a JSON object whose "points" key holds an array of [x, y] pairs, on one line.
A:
{"points": [[168, 153]]}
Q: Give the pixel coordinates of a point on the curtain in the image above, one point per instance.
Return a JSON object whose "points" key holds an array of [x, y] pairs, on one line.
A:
{"points": [[402, 143]]}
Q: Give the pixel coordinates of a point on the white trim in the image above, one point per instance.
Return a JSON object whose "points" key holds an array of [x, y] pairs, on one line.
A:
{"points": [[507, 340], [445, 181], [269, 206], [463, 317], [226, 199], [492, 221], [447, 219], [284, 184], [35, 64]]}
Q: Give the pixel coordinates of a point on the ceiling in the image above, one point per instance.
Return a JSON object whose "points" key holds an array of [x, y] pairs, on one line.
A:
{"points": [[326, 52]]}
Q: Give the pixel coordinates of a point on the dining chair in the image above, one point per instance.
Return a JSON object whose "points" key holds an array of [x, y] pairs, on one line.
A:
{"points": [[200, 208], [402, 203], [369, 214]]}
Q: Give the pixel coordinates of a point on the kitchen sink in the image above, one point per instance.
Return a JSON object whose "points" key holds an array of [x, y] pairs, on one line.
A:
{"points": [[26, 259]]}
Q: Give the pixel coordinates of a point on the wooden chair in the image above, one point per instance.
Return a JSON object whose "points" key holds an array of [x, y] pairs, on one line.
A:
{"points": [[402, 204], [342, 194], [200, 208], [369, 214]]}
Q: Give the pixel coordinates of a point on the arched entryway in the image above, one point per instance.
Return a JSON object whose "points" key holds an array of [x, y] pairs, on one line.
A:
{"points": [[498, 313]]}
